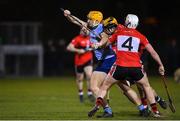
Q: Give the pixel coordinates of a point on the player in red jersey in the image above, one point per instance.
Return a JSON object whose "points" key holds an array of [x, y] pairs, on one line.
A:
{"points": [[128, 64], [158, 99], [83, 61]]}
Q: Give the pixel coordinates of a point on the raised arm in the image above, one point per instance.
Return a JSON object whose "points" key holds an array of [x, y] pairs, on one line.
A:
{"points": [[74, 19], [156, 57]]}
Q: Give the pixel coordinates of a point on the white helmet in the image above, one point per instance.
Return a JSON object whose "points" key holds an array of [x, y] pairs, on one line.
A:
{"points": [[131, 21]]}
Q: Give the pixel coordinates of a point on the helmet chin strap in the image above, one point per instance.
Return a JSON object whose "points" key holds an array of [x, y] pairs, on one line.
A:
{"points": [[127, 24]]}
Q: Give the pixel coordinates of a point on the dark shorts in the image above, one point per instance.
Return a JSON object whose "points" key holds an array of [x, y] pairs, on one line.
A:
{"points": [[132, 82], [127, 73], [105, 65], [80, 69]]}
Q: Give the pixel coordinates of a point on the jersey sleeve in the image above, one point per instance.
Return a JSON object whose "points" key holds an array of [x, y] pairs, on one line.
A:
{"points": [[144, 41], [74, 41], [113, 38]]}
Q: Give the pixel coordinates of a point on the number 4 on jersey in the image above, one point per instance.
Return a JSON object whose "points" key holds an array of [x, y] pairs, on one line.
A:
{"points": [[128, 44]]}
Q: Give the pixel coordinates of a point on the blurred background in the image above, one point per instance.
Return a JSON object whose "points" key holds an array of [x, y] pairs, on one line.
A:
{"points": [[34, 34]]}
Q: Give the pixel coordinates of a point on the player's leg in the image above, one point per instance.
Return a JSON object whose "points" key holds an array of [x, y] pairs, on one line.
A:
{"points": [[101, 94], [142, 95], [137, 75], [120, 73], [160, 100], [150, 96], [96, 80], [129, 92], [101, 72], [79, 81], [88, 72], [133, 97]]}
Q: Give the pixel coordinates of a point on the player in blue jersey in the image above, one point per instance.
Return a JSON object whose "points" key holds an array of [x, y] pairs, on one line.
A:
{"points": [[105, 57]]}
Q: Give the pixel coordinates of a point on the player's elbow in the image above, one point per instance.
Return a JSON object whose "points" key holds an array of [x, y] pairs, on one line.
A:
{"points": [[68, 48]]}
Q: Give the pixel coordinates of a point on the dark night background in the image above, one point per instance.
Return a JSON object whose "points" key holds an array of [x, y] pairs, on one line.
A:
{"points": [[159, 21]]}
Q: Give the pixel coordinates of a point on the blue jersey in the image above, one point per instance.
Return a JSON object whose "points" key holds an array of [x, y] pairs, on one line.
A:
{"points": [[94, 39]]}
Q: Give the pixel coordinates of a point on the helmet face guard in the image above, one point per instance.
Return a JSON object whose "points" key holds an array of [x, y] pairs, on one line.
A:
{"points": [[110, 25], [110, 30]]}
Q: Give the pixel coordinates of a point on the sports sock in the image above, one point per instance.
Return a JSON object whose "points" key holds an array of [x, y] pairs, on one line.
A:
{"points": [[100, 102], [80, 92], [89, 92], [157, 98], [154, 107]]}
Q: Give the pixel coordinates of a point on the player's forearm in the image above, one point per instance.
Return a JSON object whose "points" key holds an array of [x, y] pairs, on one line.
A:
{"points": [[154, 54], [74, 20], [72, 49], [104, 41], [102, 44], [156, 57]]}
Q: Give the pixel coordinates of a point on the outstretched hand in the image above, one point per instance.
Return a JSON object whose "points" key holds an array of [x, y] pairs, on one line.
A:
{"points": [[67, 12]]}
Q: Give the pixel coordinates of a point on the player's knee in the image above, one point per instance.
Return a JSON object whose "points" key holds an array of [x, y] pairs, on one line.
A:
{"points": [[79, 78], [88, 77], [144, 83]]}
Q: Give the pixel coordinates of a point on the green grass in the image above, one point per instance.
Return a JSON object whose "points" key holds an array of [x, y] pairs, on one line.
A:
{"points": [[56, 98]]}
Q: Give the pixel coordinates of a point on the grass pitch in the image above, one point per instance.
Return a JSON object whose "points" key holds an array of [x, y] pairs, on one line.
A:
{"points": [[57, 99]]}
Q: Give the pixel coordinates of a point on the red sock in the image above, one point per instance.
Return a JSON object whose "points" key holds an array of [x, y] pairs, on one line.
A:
{"points": [[154, 107], [100, 102]]}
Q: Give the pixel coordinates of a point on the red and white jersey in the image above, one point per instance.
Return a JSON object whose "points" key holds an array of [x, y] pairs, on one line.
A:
{"points": [[82, 42], [119, 27], [129, 46]]}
